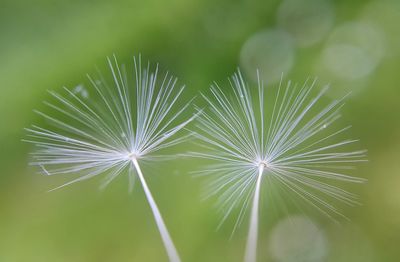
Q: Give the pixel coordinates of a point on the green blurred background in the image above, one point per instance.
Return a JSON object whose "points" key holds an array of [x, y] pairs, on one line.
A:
{"points": [[354, 45]]}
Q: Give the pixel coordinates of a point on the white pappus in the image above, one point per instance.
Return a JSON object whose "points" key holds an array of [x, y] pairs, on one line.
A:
{"points": [[113, 128], [290, 142]]}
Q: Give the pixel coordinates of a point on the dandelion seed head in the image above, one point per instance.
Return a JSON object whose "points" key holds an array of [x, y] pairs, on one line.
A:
{"points": [[132, 116], [289, 135]]}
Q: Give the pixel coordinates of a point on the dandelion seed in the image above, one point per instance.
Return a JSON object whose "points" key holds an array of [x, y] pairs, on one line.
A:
{"points": [[287, 145], [122, 124]]}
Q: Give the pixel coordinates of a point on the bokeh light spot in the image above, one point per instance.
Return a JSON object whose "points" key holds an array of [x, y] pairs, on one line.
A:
{"points": [[308, 21], [297, 238], [271, 52], [354, 50]]}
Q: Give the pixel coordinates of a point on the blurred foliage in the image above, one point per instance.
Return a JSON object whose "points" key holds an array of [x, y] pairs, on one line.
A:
{"points": [[49, 44]]}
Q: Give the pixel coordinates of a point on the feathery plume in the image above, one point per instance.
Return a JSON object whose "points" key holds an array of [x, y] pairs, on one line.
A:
{"points": [[114, 129], [288, 145]]}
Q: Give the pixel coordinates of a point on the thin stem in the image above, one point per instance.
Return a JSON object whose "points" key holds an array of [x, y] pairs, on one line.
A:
{"points": [[251, 246], [166, 238]]}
